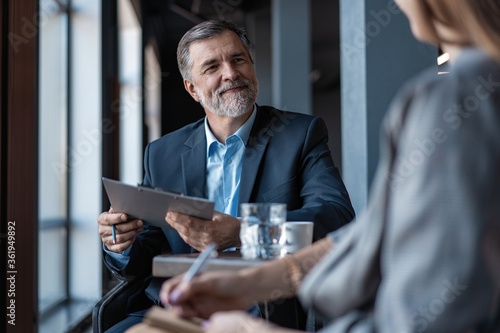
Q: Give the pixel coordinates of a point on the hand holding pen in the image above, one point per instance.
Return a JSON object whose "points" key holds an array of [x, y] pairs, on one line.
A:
{"points": [[196, 268], [113, 228], [117, 230]]}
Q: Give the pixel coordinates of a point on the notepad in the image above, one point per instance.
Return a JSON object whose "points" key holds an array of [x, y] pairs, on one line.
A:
{"points": [[151, 205], [170, 322]]}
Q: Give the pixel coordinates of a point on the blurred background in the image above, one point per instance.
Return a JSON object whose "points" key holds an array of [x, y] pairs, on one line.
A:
{"points": [[86, 84]]}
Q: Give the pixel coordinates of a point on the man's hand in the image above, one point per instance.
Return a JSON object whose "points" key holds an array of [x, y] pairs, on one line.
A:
{"points": [[223, 230], [125, 230]]}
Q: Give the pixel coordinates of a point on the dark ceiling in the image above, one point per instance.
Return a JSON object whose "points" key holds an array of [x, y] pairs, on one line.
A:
{"points": [[166, 21]]}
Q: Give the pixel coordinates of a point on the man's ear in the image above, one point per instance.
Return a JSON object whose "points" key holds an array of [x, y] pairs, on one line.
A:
{"points": [[189, 86]]}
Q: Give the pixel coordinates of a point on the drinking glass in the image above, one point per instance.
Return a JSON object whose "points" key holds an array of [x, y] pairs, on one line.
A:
{"points": [[261, 230]]}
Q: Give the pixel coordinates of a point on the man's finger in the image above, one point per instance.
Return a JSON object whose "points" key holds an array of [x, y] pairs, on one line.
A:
{"points": [[122, 237], [124, 227], [118, 248], [110, 219]]}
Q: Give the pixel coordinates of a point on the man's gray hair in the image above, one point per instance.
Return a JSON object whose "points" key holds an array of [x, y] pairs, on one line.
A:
{"points": [[202, 31]]}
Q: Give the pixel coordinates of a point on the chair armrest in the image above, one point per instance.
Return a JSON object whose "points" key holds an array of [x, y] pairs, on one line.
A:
{"points": [[103, 316], [126, 297]]}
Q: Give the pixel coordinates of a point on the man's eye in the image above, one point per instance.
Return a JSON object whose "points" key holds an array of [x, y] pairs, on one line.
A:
{"points": [[211, 69]]}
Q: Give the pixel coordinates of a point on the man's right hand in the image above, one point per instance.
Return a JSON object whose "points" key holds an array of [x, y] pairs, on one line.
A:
{"points": [[126, 230]]}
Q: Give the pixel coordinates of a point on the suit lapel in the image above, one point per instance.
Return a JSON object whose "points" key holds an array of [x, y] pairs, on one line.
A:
{"points": [[194, 163], [254, 151]]}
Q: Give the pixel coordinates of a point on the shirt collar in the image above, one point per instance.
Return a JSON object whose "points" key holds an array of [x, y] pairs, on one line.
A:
{"points": [[243, 132]]}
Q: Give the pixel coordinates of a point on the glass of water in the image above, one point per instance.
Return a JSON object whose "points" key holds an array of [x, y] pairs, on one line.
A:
{"points": [[261, 230]]}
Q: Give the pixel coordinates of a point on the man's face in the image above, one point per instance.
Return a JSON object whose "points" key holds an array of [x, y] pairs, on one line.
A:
{"points": [[222, 76]]}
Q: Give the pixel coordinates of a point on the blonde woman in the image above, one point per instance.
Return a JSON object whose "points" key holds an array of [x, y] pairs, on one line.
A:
{"points": [[425, 255]]}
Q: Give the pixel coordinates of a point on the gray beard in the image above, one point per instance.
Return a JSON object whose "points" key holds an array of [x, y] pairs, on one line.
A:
{"points": [[233, 106]]}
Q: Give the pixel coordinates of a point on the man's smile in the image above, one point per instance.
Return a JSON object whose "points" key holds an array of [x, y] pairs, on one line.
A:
{"points": [[234, 89]]}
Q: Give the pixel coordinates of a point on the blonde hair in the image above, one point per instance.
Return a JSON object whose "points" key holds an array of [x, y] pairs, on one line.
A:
{"points": [[477, 21]]}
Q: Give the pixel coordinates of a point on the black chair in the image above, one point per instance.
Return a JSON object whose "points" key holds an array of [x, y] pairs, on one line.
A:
{"points": [[116, 304], [126, 297], [286, 313]]}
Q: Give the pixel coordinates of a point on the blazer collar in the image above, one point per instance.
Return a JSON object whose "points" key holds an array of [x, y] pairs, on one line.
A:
{"points": [[256, 146], [194, 163]]}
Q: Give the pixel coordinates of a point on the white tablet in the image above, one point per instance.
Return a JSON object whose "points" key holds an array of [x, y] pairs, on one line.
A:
{"points": [[151, 205]]}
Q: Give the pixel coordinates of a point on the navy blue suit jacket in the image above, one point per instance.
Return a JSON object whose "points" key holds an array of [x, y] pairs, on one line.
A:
{"points": [[286, 160]]}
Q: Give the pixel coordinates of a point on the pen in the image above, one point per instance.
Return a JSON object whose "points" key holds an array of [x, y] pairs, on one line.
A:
{"points": [[113, 230], [113, 233], [197, 267], [200, 263]]}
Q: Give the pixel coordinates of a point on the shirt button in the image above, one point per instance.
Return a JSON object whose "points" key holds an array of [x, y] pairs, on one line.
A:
{"points": [[229, 161]]}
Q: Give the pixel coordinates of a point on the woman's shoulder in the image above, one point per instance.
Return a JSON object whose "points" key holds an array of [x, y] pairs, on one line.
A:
{"points": [[472, 69], [437, 100], [473, 62], [473, 75]]}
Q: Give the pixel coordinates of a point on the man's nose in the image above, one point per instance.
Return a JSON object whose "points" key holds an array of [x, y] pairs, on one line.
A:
{"points": [[229, 72]]}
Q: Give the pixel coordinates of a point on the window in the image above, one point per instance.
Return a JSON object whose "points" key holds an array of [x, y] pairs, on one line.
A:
{"points": [[69, 257], [131, 93], [53, 181]]}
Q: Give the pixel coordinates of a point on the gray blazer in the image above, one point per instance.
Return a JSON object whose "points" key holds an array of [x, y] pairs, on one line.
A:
{"points": [[425, 255]]}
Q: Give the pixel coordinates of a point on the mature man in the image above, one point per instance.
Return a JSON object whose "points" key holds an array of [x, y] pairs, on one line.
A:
{"points": [[239, 152]]}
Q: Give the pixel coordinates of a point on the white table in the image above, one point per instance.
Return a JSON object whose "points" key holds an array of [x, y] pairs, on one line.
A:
{"points": [[168, 265]]}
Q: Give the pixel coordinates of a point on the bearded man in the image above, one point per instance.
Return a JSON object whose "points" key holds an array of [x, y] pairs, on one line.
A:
{"points": [[240, 152]]}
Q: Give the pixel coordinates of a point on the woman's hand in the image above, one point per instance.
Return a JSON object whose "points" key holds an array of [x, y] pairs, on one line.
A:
{"points": [[241, 322], [208, 293], [215, 291]]}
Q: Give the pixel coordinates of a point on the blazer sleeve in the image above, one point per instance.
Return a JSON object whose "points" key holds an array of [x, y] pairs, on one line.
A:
{"points": [[429, 242], [323, 193], [438, 255]]}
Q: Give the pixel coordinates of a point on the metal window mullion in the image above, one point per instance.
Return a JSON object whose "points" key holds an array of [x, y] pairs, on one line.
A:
{"points": [[68, 13]]}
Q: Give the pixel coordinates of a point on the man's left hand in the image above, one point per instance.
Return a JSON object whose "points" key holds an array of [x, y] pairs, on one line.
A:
{"points": [[223, 230]]}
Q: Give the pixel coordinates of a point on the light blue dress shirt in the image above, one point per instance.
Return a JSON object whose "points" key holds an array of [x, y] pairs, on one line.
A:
{"points": [[224, 162]]}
